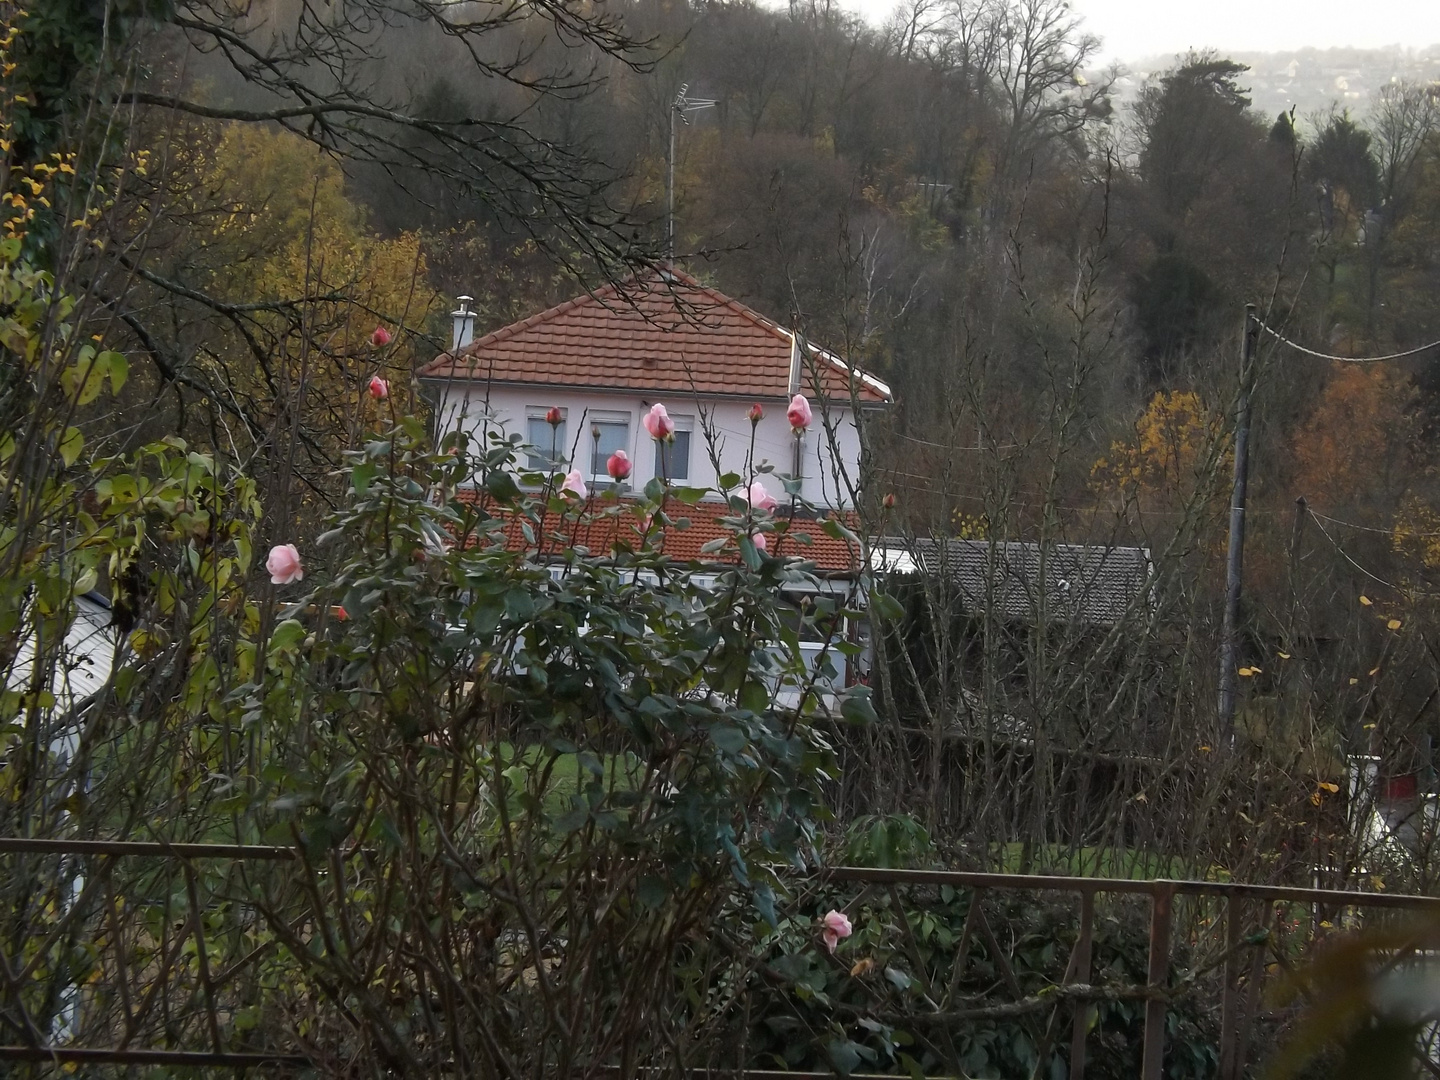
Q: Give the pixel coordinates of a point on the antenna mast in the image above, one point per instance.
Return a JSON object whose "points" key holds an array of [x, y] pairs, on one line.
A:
{"points": [[682, 106]]}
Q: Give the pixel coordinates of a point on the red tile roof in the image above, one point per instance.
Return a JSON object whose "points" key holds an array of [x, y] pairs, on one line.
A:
{"points": [[692, 527], [660, 333]]}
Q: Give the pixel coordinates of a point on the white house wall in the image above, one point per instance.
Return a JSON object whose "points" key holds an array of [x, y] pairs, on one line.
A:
{"points": [[465, 404]]}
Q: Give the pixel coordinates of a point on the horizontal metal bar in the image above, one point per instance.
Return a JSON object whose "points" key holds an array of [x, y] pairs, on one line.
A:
{"points": [[107, 1056], [1063, 883], [18, 845]]}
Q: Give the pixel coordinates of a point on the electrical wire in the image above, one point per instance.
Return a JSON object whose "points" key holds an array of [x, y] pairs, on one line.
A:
{"points": [[1350, 359], [1344, 554]]}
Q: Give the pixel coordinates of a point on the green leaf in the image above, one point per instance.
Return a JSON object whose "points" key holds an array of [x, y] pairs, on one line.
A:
{"points": [[502, 487], [83, 381], [651, 891], [86, 581], [287, 635], [836, 530], [844, 1055], [728, 738], [765, 904], [361, 475], [119, 370], [856, 707], [754, 696], [71, 443], [886, 606]]}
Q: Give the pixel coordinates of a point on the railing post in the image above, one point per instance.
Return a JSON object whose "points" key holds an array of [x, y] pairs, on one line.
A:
{"points": [[1234, 912], [1084, 1011], [1160, 909]]}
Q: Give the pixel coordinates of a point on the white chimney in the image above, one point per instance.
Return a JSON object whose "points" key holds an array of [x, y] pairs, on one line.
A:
{"points": [[464, 324]]}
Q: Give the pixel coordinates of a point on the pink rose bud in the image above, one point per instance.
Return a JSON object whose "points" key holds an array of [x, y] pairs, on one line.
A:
{"points": [[378, 388], [618, 466], [835, 928], [658, 423], [284, 564], [554, 417], [760, 498], [760, 543], [381, 337], [575, 484], [799, 413], [756, 413], [889, 501]]}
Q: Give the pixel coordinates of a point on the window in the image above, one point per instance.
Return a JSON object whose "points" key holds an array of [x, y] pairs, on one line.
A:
{"points": [[608, 432], [672, 460], [547, 444]]}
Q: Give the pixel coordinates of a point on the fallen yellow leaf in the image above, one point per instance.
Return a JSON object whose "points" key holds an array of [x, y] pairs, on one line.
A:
{"points": [[1248, 671], [1393, 624], [1365, 600], [1326, 924], [1326, 785], [1141, 798], [862, 966], [1374, 671], [1354, 681], [1204, 749], [1284, 656], [1315, 798]]}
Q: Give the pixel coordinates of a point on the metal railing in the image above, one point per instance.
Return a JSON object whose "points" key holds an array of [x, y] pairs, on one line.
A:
{"points": [[178, 960]]}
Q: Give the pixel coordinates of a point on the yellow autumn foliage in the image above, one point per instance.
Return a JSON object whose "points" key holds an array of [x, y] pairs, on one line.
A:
{"points": [[1172, 453]]}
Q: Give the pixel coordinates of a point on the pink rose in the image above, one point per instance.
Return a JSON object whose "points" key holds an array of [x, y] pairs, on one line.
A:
{"points": [[554, 417], [284, 564], [381, 337], [889, 501], [835, 928], [760, 498], [575, 483], [618, 465], [658, 423], [760, 545], [756, 413], [799, 413], [378, 388]]}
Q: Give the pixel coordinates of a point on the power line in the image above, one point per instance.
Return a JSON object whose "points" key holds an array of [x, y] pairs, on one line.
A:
{"points": [[1350, 359], [1346, 556]]}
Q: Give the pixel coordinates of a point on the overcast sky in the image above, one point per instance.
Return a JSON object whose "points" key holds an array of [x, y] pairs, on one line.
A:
{"points": [[1135, 29]]}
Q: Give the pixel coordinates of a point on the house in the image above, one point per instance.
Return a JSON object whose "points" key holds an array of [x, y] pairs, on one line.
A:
{"points": [[603, 359]]}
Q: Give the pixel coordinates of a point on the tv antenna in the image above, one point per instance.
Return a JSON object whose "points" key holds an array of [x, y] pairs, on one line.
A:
{"points": [[682, 107]]}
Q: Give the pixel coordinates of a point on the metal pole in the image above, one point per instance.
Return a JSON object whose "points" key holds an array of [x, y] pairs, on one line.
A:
{"points": [[670, 185], [1235, 558]]}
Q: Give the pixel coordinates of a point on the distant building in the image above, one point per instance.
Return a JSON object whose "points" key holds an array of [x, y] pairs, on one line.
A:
{"points": [[604, 359]]}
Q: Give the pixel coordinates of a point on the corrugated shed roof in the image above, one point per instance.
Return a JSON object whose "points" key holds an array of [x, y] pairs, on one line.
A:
{"points": [[1083, 583], [662, 334], [694, 526]]}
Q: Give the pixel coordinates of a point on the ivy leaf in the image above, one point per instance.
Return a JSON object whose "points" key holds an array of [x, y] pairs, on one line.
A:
{"points": [[844, 1055]]}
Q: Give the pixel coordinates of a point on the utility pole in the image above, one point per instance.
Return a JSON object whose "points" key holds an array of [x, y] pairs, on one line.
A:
{"points": [[682, 106], [1235, 556]]}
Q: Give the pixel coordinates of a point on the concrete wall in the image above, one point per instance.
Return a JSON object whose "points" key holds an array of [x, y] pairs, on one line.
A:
{"points": [[466, 404]]}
